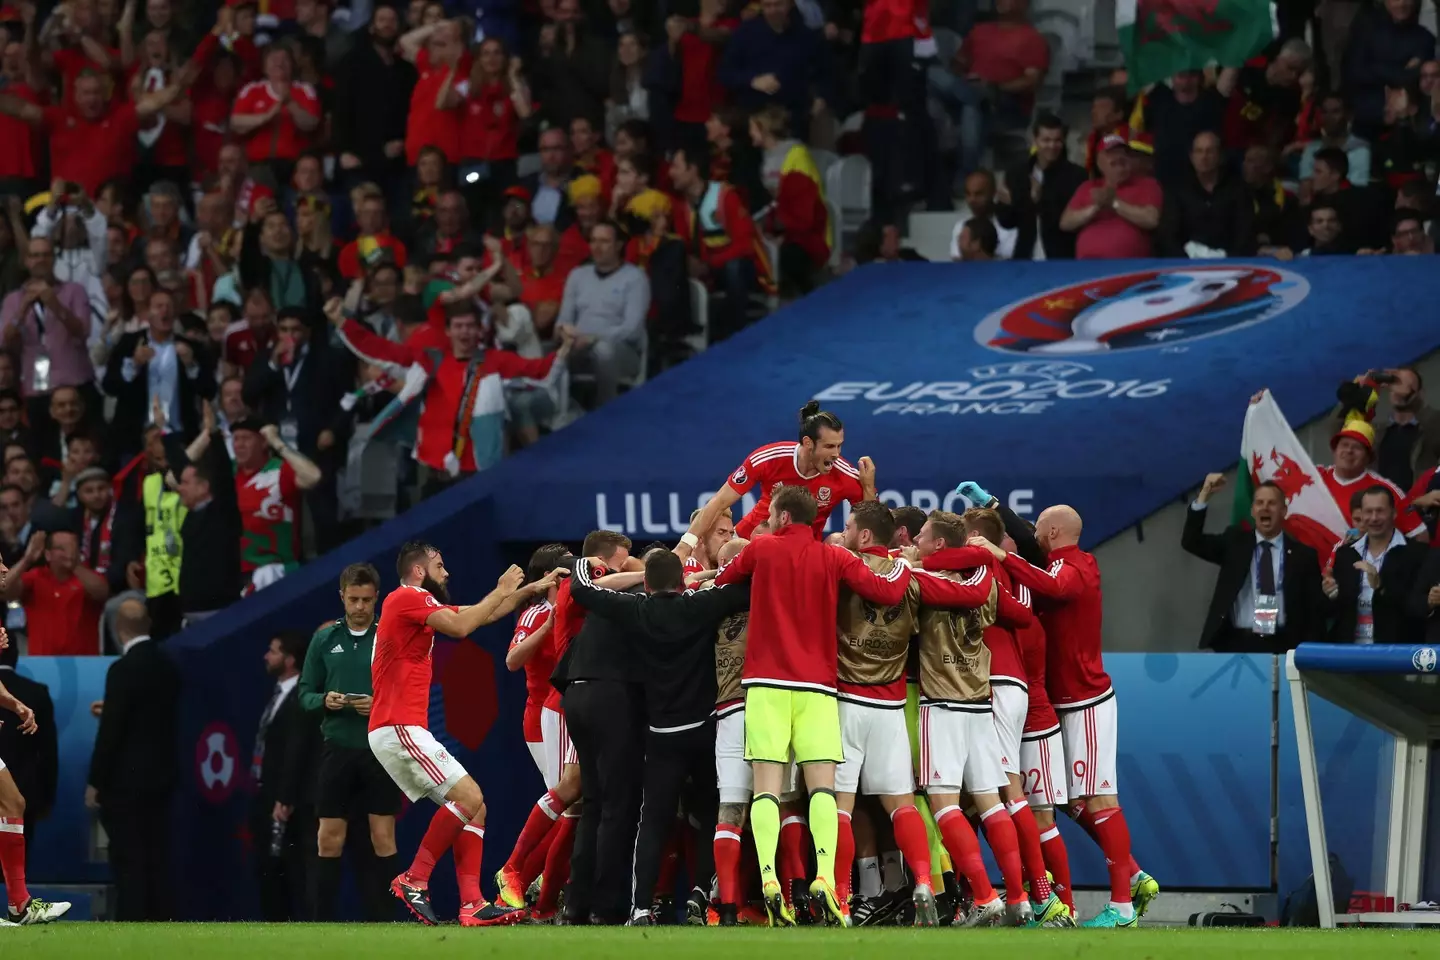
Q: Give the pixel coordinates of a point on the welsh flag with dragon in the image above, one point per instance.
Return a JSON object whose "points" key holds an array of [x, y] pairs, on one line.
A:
{"points": [[1269, 450]]}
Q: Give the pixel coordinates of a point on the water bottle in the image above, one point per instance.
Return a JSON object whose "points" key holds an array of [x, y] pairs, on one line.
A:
{"points": [[277, 838]]}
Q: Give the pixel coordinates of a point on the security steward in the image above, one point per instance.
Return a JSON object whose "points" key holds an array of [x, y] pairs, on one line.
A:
{"points": [[335, 681], [672, 635]]}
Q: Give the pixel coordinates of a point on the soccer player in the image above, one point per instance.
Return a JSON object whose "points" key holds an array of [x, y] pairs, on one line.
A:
{"points": [[959, 750], [25, 910], [790, 680], [874, 645], [706, 554], [530, 650], [399, 732], [613, 551], [1083, 697], [813, 463]]}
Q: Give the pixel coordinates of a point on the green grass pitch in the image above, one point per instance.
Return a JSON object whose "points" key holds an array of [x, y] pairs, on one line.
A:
{"points": [[259, 941]]}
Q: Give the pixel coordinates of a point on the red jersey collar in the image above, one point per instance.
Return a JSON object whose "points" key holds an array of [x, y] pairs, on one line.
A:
{"points": [[1060, 553], [958, 558]]}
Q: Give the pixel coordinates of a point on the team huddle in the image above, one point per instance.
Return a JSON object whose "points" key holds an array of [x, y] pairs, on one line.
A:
{"points": [[895, 691]]}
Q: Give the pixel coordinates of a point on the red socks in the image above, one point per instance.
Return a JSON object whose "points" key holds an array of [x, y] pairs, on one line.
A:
{"points": [[1031, 857], [542, 817], [727, 862], [445, 826], [792, 865], [12, 860], [964, 849], [1000, 833], [913, 842], [1114, 837], [469, 851], [844, 856], [1057, 861], [1082, 815], [535, 860], [557, 865]]}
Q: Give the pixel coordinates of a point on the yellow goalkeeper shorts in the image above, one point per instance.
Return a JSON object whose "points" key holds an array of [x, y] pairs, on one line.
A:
{"points": [[779, 721]]}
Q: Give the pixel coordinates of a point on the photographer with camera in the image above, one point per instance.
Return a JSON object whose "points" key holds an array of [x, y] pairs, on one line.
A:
{"points": [[80, 234], [1408, 442]]}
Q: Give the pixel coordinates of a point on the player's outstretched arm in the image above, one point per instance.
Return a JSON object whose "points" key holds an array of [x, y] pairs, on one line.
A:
{"points": [[1058, 581], [719, 505], [507, 595]]}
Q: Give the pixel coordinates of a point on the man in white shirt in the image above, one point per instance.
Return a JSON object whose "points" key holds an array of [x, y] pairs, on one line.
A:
{"points": [[980, 198]]}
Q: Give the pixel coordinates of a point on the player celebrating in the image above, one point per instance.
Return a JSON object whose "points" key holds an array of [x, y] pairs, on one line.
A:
{"points": [[1081, 692], [400, 737], [813, 463], [790, 680], [24, 909]]}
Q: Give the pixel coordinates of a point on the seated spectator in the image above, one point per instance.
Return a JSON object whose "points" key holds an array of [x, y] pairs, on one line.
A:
{"points": [[543, 284], [156, 372], [1417, 197], [1326, 230], [1277, 218], [58, 484], [1385, 50], [587, 199], [375, 242], [276, 117], [590, 156], [977, 240], [1210, 213], [711, 219], [1173, 114], [62, 600], [1107, 118], [654, 248], [733, 160], [549, 186], [798, 217], [1264, 97], [1360, 213], [1335, 132], [48, 323], [633, 176], [1116, 216], [16, 528], [989, 86], [776, 58], [1034, 193], [883, 243], [1407, 235], [604, 308], [11, 429], [980, 199]]}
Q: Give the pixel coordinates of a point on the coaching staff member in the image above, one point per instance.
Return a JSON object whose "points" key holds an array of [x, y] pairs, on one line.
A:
{"points": [[1268, 596], [673, 635], [335, 682]]}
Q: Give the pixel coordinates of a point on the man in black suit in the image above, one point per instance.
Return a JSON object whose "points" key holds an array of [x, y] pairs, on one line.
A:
{"points": [[15, 787], [1369, 588], [33, 760], [132, 769], [1424, 600], [154, 367], [282, 814], [1035, 192], [1267, 598]]}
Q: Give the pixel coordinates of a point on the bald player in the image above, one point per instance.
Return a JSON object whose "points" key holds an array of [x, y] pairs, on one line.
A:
{"points": [[1068, 592]]}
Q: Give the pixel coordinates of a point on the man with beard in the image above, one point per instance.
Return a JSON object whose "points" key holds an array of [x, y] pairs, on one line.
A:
{"points": [[373, 101], [400, 737], [706, 554], [1411, 438], [980, 198]]}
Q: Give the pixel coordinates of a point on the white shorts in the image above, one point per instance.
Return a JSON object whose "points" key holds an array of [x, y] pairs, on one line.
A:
{"points": [[2, 763], [877, 751], [537, 753], [1010, 704], [1090, 735], [958, 751], [1042, 768], [416, 761], [557, 746], [733, 772]]}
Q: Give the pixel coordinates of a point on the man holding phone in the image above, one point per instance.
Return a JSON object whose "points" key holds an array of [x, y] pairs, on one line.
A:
{"points": [[336, 680]]}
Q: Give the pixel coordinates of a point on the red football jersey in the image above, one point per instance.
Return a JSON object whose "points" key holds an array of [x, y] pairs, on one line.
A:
{"points": [[693, 566], [400, 667], [280, 139], [538, 668], [569, 618], [1005, 664], [243, 343], [1041, 718], [778, 463], [1074, 668], [1407, 521]]}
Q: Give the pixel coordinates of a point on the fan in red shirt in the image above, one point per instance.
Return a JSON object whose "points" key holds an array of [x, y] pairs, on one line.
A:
{"points": [[167, 134], [590, 156], [1116, 216], [496, 104], [91, 142], [19, 146], [1070, 611], [210, 113], [1354, 446], [813, 463], [62, 599], [277, 115], [1264, 96], [444, 67], [401, 671], [697, 49], [375, 242], [562, 773], [587, 197]]}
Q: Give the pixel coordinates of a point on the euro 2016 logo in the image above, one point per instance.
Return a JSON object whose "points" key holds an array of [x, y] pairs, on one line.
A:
{"points": [[1150, 308]]}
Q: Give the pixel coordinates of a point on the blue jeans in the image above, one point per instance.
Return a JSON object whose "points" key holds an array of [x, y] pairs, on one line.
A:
{"points": [[977, 112]]}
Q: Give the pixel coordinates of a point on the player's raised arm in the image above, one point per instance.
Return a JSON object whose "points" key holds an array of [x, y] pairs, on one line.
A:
{"points": [[506, 596], [1059, 581], [718, 505]]}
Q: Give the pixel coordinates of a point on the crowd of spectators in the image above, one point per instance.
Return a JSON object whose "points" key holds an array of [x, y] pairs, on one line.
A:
{"points": [[271, 271]]}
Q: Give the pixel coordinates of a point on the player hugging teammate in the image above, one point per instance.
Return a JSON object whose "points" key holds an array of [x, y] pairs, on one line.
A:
{"points": [[903, 657]]}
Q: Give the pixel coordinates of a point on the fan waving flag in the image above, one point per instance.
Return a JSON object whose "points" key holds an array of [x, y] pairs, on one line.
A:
{"points": [[1160, 38], [1269, 450]]}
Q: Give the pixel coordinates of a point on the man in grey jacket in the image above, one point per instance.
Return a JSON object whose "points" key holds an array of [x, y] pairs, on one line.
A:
{"points": [[605, 303]]}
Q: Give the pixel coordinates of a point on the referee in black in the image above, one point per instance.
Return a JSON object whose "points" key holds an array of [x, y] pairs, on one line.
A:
{"points": [[336, 681], [672, 633]]}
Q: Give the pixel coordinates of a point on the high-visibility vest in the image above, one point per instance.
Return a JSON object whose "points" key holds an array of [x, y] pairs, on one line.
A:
{"points": [[164, 513]]}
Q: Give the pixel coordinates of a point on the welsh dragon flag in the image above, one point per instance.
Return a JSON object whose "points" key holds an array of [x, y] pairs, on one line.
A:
{"points": [[1269, 450], [1161, 38]]}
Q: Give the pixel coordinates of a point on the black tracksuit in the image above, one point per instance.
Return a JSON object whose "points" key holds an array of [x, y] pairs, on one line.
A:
{"points": [[673, 638]]}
